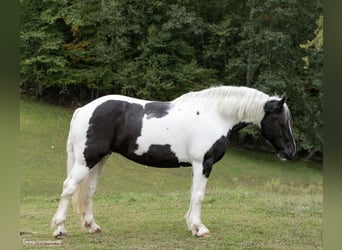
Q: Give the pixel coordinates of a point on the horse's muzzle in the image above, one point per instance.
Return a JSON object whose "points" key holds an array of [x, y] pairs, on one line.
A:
{"points": [[284, 155]]}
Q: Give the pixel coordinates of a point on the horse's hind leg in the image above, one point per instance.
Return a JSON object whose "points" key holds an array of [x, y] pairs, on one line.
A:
{"points": [[78, 173], [83, 197]]}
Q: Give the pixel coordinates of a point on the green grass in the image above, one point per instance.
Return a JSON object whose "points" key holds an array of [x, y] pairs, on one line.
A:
{"points": [[253, 200]]}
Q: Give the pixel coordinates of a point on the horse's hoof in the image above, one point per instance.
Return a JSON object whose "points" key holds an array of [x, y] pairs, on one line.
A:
{"points": [[205, 235], [95, 231], [60, 235], [200, 231]]}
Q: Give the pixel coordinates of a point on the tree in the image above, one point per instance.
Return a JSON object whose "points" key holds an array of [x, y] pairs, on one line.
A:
{"points": [[75, 51], [316, 42], [312, 98]]}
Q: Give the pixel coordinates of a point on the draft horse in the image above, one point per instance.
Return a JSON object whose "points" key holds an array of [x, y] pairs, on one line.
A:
{"points": [[192, 130]]}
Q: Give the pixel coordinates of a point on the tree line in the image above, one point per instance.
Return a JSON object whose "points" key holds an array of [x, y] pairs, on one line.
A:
{"points": [[75, 51]]}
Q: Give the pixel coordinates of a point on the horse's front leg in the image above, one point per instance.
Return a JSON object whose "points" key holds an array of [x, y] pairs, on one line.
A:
{"points": [[193, 216]]}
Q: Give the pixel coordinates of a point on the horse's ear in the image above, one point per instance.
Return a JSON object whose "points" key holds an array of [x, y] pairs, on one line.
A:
{"points": [[282, 99], [276, 106], [281, 102]]}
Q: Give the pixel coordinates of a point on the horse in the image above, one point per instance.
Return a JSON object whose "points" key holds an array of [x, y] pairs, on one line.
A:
{"points": [[191, 130]]}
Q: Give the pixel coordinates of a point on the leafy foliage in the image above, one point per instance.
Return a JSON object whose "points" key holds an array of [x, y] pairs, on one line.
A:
{"points": [[75, 51]]}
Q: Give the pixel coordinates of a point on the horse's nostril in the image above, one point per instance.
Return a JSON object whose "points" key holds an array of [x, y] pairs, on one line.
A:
{"points": [[281, 157]]}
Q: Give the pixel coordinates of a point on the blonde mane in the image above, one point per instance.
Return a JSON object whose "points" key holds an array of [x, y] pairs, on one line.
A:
{"points": [[239, 103]]}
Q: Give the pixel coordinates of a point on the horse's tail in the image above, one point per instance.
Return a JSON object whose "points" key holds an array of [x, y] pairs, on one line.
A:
{"points": [[70, 145], [79, 197], [70, 154]]}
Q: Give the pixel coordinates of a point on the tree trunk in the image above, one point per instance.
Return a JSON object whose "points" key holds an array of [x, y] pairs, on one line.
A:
{"points": [[250, 69]]}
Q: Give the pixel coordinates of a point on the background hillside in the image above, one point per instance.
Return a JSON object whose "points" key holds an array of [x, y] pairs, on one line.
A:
{"points": [[253, 200]]}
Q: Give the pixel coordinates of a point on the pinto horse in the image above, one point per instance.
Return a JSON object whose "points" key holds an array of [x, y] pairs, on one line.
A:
{"points": [[192, 130]]}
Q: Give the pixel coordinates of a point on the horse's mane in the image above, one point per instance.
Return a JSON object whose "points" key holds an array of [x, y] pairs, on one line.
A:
{"points": [[243, 103]]}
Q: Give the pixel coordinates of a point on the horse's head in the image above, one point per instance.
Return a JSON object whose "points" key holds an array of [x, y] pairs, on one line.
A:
{"points": [[276, 128]]}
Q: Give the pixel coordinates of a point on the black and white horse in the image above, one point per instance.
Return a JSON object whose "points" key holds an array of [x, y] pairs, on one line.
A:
{"points": [[192, 130]]}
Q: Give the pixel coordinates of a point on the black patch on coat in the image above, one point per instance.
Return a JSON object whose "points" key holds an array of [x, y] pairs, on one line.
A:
{"points": [[115, 126], [275, 128], [157, 109], [218, 149], [159, 156], [236, 129], [214, 154], [272, 124]]}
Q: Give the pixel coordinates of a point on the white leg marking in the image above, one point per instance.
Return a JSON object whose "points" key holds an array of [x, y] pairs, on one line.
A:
{"points": [[77, 174], [83, 203], [193, 216]]}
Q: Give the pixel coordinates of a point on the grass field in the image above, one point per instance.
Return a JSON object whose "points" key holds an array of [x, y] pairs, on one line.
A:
{"points": [[253, 200]]}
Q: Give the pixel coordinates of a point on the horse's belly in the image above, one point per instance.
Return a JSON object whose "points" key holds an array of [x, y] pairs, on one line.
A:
{"points": [[158, 156]]}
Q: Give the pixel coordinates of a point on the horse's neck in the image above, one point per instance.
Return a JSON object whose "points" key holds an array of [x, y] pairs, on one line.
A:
{"points": [[233, 104], [243, 109]]}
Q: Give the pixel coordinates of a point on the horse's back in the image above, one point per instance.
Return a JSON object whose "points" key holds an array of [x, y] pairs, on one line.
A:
{"points": [[158, 134]]}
